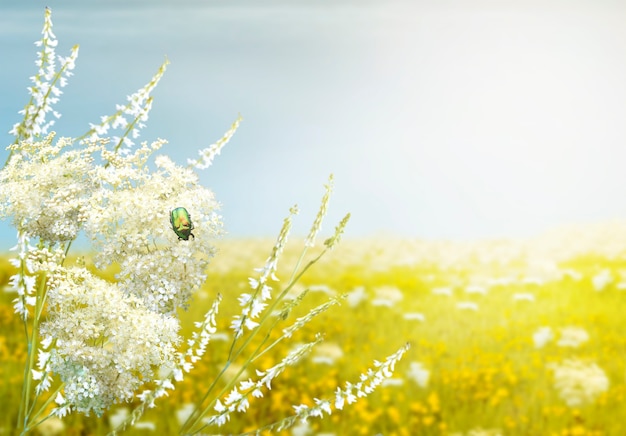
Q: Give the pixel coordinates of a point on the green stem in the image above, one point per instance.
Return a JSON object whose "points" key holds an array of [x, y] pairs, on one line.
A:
{"points": [[33, 343], [22, 410], [195, 416], [42, 409]]}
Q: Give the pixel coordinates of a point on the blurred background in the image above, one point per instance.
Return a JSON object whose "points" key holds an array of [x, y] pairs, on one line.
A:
{"points": [[442, 119]]}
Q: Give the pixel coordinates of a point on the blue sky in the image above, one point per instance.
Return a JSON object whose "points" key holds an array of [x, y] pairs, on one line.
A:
{"points": [[446, 119]]}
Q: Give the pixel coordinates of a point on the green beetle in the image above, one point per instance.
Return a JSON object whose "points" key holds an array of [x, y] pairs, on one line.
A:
{"points": [[181, 223]]}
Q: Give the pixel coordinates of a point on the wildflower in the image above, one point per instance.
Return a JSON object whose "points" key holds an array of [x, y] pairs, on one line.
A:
{"points": [[256, 302], [51, 427], [418, 374], [208, 154], [339, 229], [183, 413], [579, 383], [303, 428], [476, 289], [317, 224], [501, 281], [394, 381], [327, 353], [46, 86], [572, 274], [601, 280], [442, 291], [325, 289], [572, 337], [523, 296], [238, 398], [542, 336], [131, 213], [467, 305], [47, 188], [537, 281], [483, 432], [95, 376], [368, 382], [137, 108], [115, 419], [356, 297], [387, 296], [414, 316]]}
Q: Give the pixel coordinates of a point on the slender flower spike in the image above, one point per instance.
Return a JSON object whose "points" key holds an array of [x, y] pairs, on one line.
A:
{"points": [[208, 154], [46, 85], [334, 240], [317, 224], [181, 223], [366, 385], [137, 108]]}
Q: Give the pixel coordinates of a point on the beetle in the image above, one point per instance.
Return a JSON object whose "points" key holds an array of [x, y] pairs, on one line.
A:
{"points": [[181, 223]]}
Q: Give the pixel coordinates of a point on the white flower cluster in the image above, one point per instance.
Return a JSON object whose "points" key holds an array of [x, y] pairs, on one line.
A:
{"points": [[47, 188], [53, 191], [197, 346], [579, 383], [571, 336], [107, 340], [419, 374], [97, 349], [129, 223]]}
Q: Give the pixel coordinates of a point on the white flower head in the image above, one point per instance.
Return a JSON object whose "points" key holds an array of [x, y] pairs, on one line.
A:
{"points": [[98, 353], [46, 188], [418, 374], [579, 383], [542, 336], [573, 337]]}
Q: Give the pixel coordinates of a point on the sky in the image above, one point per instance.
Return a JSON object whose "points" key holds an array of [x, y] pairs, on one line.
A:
{"points": [[439, 119]]}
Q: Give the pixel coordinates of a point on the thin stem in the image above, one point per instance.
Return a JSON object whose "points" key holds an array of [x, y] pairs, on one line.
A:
{"points": [[195, 416], [32, 352], [50, 399]]}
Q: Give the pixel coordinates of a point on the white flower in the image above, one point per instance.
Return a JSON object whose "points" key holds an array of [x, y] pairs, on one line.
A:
{"points": [[47, 188], [51, 427], [542, 336], [579, 383], [356, 297], [476, 289], [442, 291], [467, 305], [327, 353], [602, 280], [572, 274], [387, 296], [414, 316], [85, 312], [523, 296], [537, 281], [572, 337], [418, 374], [392, 382]]}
